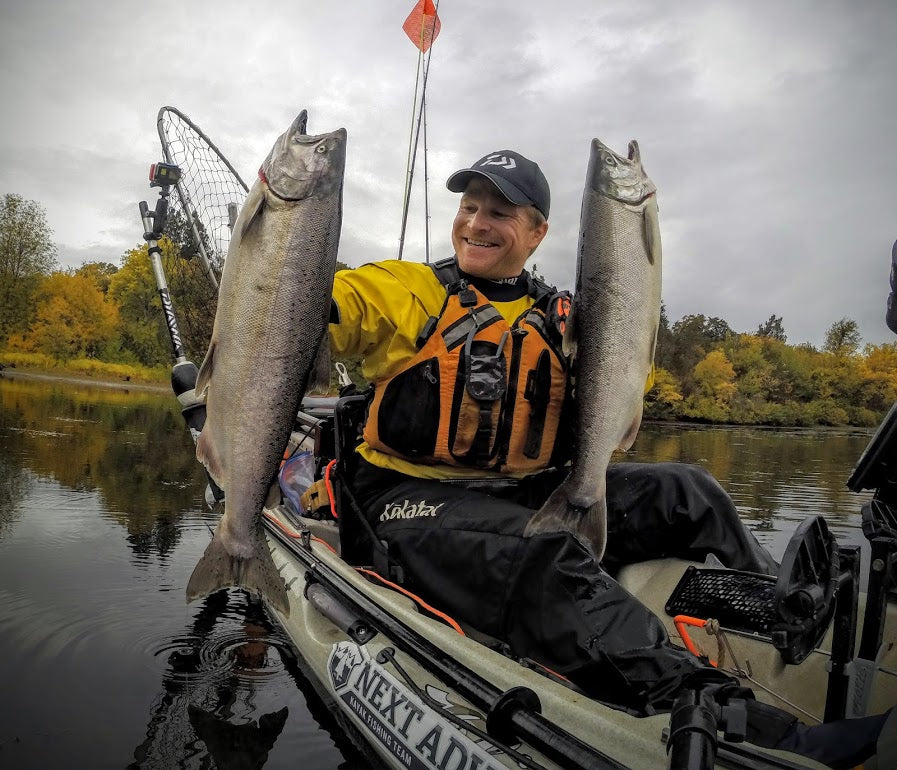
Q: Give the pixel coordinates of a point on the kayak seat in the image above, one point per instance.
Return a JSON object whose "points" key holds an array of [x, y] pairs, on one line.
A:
{"points": [[793, 611]]}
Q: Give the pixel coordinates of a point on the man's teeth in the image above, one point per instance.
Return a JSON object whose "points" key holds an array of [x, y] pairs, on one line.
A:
{"points": [[477, 243]]}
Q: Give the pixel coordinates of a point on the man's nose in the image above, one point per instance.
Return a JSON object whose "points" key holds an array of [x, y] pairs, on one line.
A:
{"points": [[479, 221]]}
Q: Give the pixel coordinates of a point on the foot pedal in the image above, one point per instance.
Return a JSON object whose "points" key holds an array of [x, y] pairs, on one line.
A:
{"points": [[792, 611]]}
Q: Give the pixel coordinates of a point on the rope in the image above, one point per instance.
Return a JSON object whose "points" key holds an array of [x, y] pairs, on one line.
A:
{"points": [[329, 486], [396, 587]]}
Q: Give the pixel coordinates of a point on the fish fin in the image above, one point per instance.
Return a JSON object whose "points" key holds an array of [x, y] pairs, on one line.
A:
{"points": [[568, 342], [207, 454], [274, 495], [320, 373], [652, 232], [218, 569], [256, 203], [559, 514], [205, 370], [628, 438]]}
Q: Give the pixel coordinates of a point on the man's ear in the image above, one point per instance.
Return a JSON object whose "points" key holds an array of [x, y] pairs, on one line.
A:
{"points": [[539, 234]]}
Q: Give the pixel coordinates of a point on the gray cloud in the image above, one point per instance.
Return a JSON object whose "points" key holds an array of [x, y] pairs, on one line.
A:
{"points": [[768, 128]]}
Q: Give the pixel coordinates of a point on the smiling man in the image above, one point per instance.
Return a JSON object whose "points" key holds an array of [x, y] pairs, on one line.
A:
{"points": [[467, 432], [497, 226]]}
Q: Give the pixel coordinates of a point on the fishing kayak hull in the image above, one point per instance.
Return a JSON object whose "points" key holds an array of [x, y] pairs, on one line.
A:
{"points": [[453, 703]]}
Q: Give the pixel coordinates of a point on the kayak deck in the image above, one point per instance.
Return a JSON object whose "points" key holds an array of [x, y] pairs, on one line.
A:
{"points": [[413, 713]]}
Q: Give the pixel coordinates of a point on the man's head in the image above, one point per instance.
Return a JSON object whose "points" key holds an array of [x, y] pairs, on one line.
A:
{"points": [[502, 216]]}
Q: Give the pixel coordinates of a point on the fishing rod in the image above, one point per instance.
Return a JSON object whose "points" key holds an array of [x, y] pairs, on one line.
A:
{"points": [[184, 372]]}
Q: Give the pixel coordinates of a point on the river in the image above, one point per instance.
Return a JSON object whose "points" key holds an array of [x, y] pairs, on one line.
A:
{"points": [[104, 665]]}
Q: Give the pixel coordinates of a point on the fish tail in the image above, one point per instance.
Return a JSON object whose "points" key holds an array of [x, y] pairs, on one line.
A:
{"points": [[560, 514], [218, 569]]}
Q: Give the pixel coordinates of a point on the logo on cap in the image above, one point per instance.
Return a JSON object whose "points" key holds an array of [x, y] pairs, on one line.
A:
{"points": [[499, 160]]}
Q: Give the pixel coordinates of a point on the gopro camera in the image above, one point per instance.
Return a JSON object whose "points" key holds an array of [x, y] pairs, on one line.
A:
{"points": [[164, 174]]}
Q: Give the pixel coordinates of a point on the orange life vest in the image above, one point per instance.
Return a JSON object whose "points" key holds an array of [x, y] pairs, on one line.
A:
{"points": [[480, 392]]}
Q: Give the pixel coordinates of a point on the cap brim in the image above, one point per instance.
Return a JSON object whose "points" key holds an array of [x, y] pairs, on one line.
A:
{"points": [[458, 181]]}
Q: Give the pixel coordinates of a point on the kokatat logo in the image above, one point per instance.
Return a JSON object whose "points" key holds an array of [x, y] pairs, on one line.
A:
{"points": [[500, 160], [409, 510]]}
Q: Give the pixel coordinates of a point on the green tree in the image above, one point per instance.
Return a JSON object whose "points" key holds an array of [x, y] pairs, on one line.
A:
{"points": [[663, 351], [27, 253], [773, 329], [98, 272], [692, 337], [193, 294], [843, 338], [179, 230]]}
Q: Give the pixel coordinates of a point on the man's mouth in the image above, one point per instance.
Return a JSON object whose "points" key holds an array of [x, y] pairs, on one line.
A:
{"points": [[481, 244]]}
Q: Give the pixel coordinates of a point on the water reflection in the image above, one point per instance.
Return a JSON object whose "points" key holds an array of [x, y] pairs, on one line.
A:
{"points": [[220, 692], [129, 446], [101, 522], [15, 483], [207, 703], [776, 477]]}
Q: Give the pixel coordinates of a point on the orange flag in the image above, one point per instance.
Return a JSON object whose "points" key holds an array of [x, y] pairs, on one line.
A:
{"points": [[422, 25]]}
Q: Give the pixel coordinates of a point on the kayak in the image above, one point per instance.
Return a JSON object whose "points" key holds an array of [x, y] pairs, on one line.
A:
{"points": [[422, 691]]}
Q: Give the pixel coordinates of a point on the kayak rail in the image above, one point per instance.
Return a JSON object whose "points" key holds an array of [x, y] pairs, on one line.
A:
{"points": [[509, 716]]}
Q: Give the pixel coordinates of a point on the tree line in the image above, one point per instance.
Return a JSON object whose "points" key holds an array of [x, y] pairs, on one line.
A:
{"points": [[705, 371]]}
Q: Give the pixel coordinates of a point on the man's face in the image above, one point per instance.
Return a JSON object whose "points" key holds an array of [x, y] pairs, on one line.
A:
{"points": [[492, 237]]}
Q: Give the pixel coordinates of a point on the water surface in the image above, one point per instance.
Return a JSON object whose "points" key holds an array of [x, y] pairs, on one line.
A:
{"points": [[102, 662]]}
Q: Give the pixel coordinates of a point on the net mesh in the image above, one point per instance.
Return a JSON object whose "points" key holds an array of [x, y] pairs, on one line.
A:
{"points": [[204, 204], [739, 600], [210, 191]]}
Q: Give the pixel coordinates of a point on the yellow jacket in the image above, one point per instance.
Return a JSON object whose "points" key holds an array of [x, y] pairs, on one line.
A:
{"points": [[381, 309]]}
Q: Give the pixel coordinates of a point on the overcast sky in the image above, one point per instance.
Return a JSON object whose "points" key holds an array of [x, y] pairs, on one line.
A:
{"points": [[769, 128]]}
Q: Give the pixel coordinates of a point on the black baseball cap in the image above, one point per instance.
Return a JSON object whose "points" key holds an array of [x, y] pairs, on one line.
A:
{"points": [[517, 178]]}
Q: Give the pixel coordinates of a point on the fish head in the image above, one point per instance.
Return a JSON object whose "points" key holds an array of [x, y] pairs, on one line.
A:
{"points": [[300, 165], [620, 178]]}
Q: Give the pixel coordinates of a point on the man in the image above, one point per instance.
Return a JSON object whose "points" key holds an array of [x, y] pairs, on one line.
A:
{"points": [[465, 438]]}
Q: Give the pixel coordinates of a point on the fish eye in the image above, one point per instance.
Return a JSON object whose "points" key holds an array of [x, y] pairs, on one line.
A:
{"points": [[321, 148], [610, 160]]}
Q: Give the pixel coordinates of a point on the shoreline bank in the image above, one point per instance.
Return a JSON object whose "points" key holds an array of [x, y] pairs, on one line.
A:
{"points": [[80, 379]]}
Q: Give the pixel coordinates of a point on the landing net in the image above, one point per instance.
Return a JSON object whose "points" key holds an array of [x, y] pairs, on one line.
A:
{"points": [[210, 191], [207, 199]]}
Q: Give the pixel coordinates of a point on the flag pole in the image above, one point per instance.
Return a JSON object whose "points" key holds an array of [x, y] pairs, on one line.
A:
{"points": [[424, 44], [426, 188], [420, 114], [409, 164]]}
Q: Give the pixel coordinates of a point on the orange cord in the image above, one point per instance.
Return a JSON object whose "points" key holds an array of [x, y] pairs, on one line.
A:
{"points": [[415, 598], [681, 621], [295, 535], [329, 486]]}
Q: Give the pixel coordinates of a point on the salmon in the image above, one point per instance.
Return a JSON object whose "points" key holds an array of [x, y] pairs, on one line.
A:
{"points": [[272, 314], [611, 336]]}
